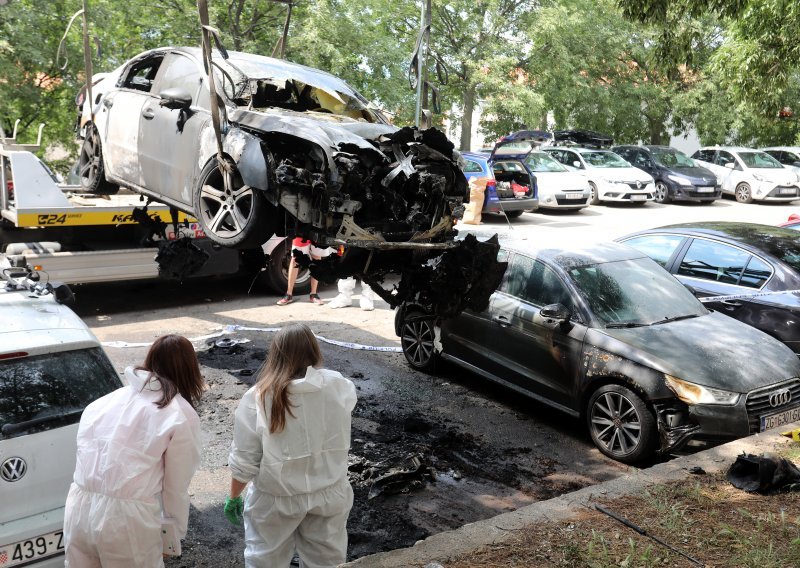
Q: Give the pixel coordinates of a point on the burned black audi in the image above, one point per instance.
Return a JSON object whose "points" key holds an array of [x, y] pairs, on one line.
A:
{"points": [[300, 153], [606, 335]]}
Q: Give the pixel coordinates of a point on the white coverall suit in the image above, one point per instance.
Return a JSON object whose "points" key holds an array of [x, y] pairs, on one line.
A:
{"points": [[347, 287], [133, 458], [299, 498]]}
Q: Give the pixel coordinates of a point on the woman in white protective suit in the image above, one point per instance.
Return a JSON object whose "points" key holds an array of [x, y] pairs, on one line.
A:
{"points": [[291, 438], [138, 448]]}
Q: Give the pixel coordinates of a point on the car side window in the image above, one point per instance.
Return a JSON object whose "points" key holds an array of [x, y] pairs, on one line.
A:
{"points": [[704, 155], [471, 167], [516, 278], [724, 158], [639, 158], [777, 155], [533, 282], [658, 247], [713, 261], [180, 72], [141, 75], [756, 273]]}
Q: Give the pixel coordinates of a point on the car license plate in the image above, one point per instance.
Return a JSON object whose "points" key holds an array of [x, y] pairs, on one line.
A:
{"points": [[638, 197], [788, 191], [573, 196], [770, 421], [26, 551], [705, 189]]}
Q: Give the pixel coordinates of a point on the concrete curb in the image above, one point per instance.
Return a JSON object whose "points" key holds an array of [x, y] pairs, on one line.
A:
{"points": [[450, 544]]}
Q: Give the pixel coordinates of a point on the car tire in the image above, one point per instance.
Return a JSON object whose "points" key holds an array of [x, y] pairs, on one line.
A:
{"points": [[417, 334], [514, 214], [238, 220], [277, 272], [621, 425], [91, 169], [743, 193], [662, 193], [594, 199]]}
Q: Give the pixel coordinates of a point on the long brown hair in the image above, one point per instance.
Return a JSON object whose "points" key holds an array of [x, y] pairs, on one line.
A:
{"points": [[172, 362], [294, 348]]}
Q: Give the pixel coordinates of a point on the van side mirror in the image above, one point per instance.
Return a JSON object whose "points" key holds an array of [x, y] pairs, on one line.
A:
{"points": [[576, 164], [730, 166], [553, 313]]}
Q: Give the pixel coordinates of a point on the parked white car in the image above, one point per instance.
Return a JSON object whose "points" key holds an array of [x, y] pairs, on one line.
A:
{"points": [[789, 156], [559, 188], [51, 367], [610, 177], [749, 174]]}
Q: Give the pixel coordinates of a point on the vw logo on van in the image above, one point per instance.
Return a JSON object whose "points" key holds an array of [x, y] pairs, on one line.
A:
{"points": [[13, 469], [780, 398]]}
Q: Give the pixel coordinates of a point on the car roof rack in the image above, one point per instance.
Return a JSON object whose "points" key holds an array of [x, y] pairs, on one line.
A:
{"points": [[19, 276], [583, 138]]}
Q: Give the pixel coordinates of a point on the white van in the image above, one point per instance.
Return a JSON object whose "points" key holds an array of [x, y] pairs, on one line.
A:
{"points": [[51, 367]]}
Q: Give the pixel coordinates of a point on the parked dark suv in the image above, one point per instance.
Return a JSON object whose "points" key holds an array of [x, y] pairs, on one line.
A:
{"points": [[678, 177]]}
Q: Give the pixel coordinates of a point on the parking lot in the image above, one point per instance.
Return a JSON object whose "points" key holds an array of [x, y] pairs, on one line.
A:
{"points": [[475, 450]]}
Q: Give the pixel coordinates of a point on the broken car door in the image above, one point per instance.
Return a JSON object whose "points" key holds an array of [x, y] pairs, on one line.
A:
{"points": [[538, 353], [121, 112], [169, 145]]}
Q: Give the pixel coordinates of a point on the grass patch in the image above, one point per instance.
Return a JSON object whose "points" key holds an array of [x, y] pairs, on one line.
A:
{"points": [[703, 516]]}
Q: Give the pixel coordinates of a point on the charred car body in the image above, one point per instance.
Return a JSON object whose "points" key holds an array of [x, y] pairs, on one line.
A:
{"points": [[308, 157], [606, 335]]}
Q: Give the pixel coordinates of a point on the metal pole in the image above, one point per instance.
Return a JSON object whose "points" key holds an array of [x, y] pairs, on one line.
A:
{"points": [[87, 59], [419, 69]]}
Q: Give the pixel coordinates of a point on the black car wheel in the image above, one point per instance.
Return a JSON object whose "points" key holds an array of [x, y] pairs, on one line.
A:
{"points": [[234, 217], [91, 169], [277, 272], [513, 214], [662, 193], [593, 199], [621, 425], [743, 193], [417, 338]]}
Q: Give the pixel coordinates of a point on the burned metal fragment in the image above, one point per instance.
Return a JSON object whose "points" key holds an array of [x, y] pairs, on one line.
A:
{"points": [[402, 480], [180, 258]]}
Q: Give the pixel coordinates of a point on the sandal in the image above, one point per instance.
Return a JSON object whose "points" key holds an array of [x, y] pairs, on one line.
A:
{"points": [[287, 299], [315, 299]]}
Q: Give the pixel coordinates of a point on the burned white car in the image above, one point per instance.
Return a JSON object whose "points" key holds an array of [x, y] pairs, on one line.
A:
{"points": [[309, 158]]}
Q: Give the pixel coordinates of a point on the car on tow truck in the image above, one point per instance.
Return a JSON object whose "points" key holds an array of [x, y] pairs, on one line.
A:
{"points": [[607, 336], [299, 153], [51, 368]]}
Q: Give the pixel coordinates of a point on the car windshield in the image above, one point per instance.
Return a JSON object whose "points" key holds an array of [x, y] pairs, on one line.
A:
{"points": [[301, 89], [759, 160], [634, 292], [49, 391], [604, 160], [670, 158], [541, 162]]}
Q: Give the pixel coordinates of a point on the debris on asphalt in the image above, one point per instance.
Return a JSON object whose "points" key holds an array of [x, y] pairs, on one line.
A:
{"points": [[696, 470], [764, 474], [402, 480]]}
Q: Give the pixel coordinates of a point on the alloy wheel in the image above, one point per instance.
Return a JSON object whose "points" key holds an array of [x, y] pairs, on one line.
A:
{"points": [[743, 194], [417, 340], [90, 160], [616, 423], [226, 212], [662, 192]]}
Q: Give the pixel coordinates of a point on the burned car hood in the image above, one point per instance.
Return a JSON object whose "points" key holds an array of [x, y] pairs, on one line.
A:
{"points": [[711, 350]]}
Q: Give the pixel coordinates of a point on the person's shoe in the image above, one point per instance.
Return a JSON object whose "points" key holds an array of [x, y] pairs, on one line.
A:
{"points": [[366, 304], [340, 301], [287, 299], [315, 299]]}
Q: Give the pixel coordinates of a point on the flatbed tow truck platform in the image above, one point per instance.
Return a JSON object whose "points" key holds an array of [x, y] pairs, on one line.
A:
{"points": [[77, 237]]}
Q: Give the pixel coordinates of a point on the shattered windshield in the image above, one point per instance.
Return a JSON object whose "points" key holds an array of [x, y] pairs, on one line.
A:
{"points": [[604, 160], [634, 292]]}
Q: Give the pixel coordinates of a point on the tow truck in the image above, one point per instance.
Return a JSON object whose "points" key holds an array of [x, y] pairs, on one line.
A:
{"points": [[77, 237]]}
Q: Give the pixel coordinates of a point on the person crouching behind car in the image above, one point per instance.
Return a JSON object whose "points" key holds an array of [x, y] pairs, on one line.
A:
{"points": [[138, 448], [291, 437]]}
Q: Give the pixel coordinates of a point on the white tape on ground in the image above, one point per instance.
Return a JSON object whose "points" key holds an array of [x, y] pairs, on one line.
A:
{"points": [[228, 329], [745, 296]]}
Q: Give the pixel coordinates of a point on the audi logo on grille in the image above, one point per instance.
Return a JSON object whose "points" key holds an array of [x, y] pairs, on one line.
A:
{"points": [[780, 398], [13, 469]]}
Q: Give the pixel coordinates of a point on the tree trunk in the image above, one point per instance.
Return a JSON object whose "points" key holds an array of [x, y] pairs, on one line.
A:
{"points": [[466, 121]]}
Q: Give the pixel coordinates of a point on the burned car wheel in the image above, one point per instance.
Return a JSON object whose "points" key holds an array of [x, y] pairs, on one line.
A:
{"points": [[277, 272], [234, 217], [417, 339], [91, 169], [621, 425]]}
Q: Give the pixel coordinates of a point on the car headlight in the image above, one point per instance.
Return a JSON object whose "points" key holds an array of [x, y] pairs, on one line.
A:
{"points": [[679, 180], [759, 177], [691, 393]]}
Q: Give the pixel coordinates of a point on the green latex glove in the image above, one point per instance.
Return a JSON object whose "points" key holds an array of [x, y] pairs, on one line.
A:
{"points": [[234, 508]]}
